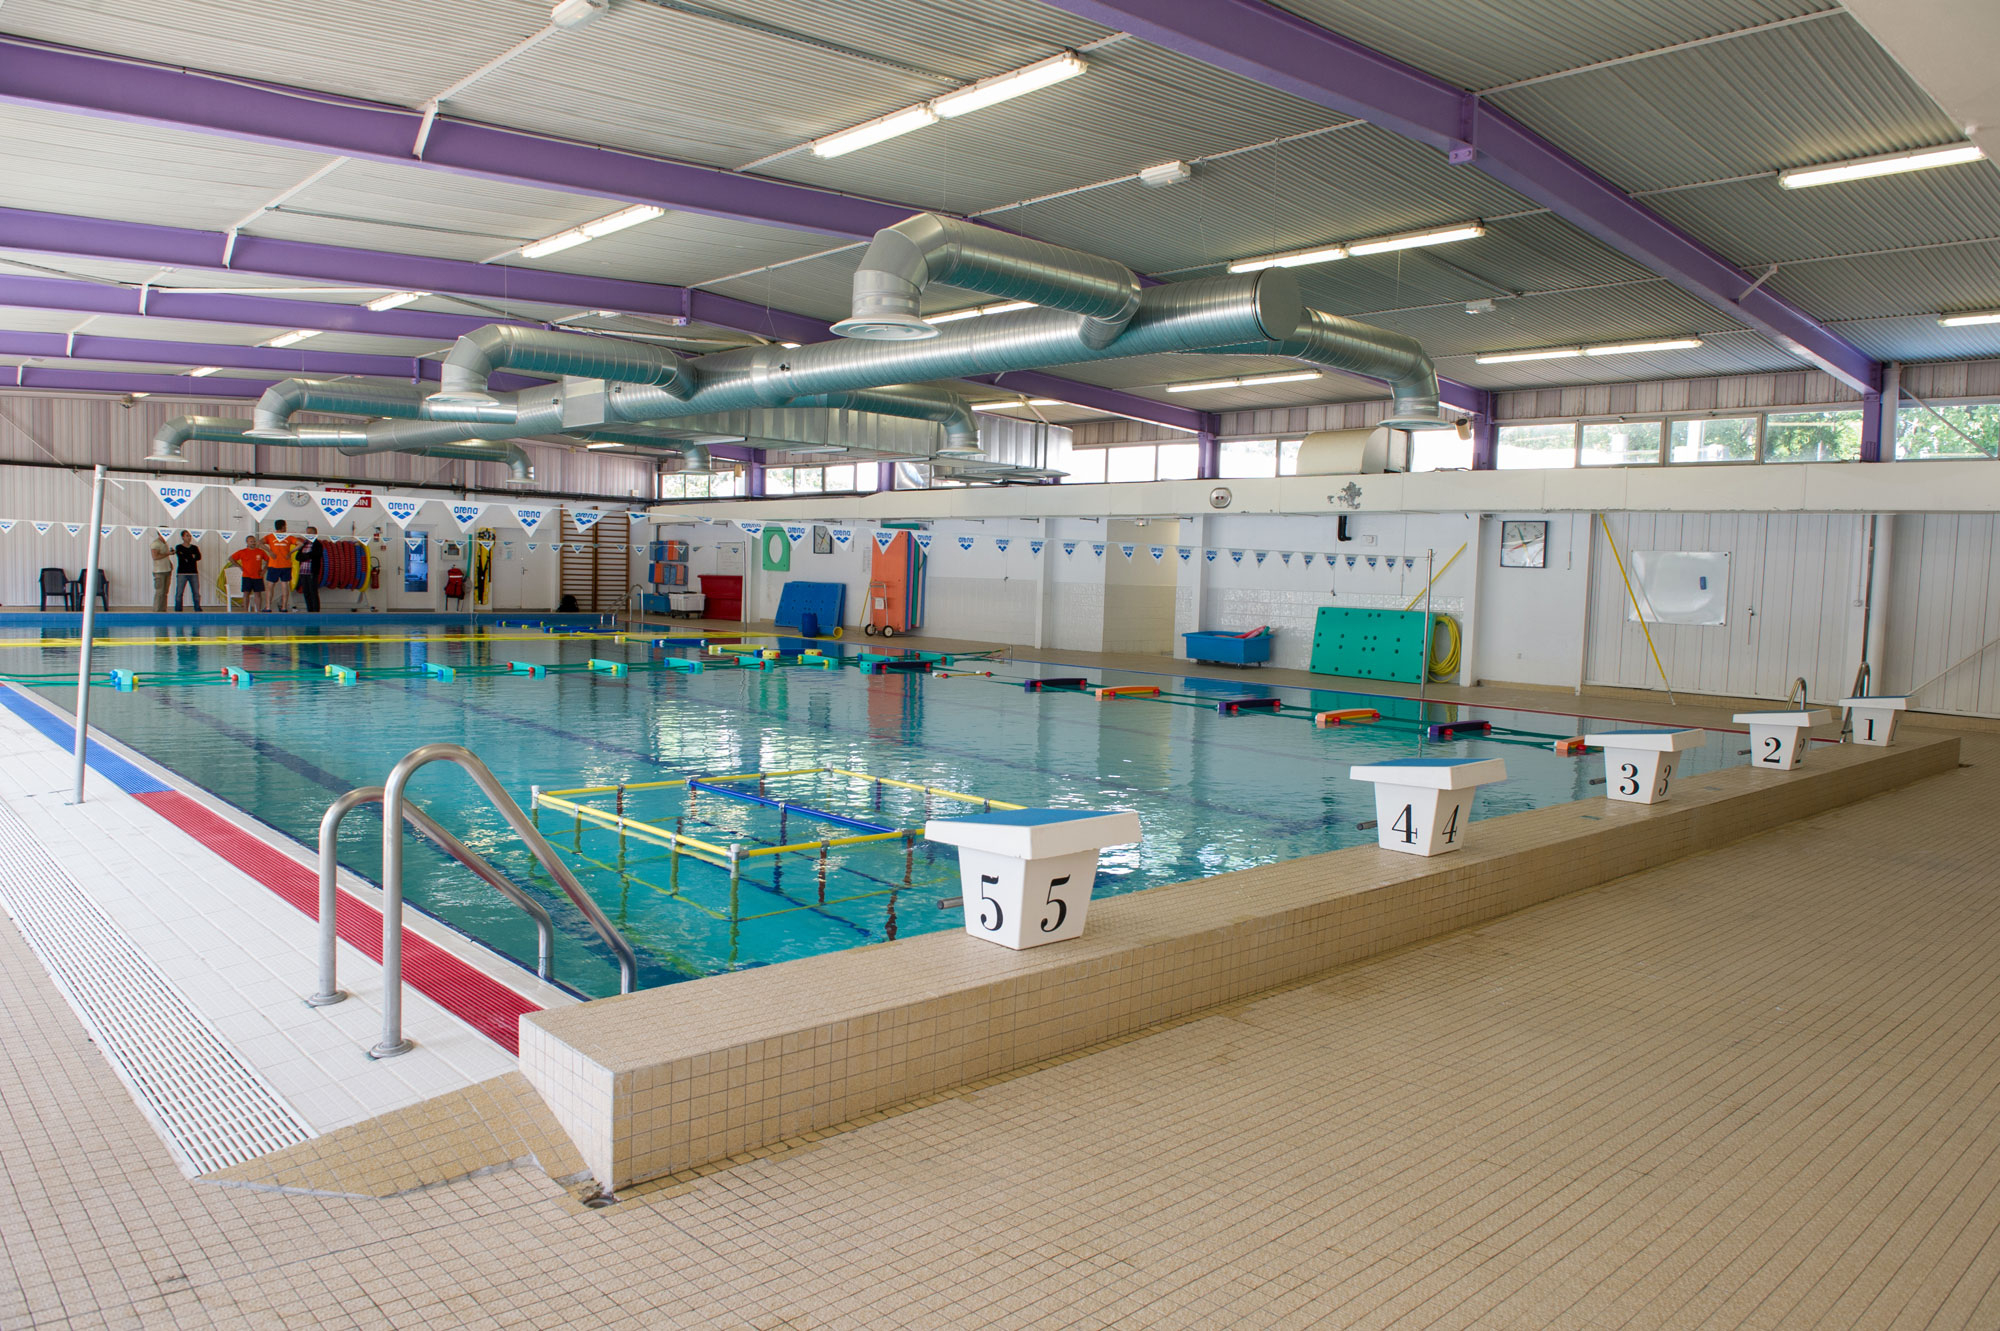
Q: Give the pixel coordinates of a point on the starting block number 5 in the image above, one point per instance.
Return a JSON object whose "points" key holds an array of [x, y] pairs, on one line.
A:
{"points": [[988, 903]]}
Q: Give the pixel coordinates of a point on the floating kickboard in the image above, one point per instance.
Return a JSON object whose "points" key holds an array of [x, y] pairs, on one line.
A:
{"points": [[1451, 729], [528, 668], [124, 680], [1127, 691], [1232, 706], [345, 674], [1571, 747], [1341, 716], [1065, 682], [238, 676], [616, 669], [432, 670]]}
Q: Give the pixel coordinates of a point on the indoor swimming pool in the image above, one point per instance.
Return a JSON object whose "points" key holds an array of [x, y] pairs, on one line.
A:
{"points": [[1215, 792]]}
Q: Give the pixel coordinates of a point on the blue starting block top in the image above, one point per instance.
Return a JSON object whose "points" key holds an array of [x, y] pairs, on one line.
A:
{"points": [[1428, 762], [1029, 817]]}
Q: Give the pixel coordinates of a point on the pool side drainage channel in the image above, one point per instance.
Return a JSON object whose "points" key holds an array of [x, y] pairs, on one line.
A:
{"points": [[211, 1108]]}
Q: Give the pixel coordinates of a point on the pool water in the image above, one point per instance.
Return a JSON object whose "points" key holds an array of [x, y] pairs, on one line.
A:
{"points": [[1214, 793]]}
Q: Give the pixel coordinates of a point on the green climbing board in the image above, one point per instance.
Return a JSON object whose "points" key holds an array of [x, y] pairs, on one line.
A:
{"points": [[1369, 644]]}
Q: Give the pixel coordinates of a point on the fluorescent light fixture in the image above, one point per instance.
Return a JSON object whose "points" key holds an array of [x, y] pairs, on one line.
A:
{"points": [[1509, 357], [556, 244], [1290, 259], [138, 395], [874, 132], [978, 311], [1968, 320], [1888, 164], [1165, 174], [1003, 87], [789, 346], [203, 372], [1024, 402], [1629, 348], [1443, 235], [573, 13], [595, 447], [297, 335], [395, 300], [1290, 377], [618, 221]]}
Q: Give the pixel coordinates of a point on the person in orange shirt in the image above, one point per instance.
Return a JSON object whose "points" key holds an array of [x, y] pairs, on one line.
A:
{"points": [[252, 560], [278, 576]]}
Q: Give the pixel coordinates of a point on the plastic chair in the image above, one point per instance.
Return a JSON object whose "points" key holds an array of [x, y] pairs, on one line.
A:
{"points": [[103, 591], [55, 582]]}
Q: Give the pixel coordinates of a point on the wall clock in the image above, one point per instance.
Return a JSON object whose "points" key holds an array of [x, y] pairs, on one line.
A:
{"points": [[1524, 544]]}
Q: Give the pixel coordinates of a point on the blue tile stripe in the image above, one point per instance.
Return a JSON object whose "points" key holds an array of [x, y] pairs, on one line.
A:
{"points": [[61, 731]]}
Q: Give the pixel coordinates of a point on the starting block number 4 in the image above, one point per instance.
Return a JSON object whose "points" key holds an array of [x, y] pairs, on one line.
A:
{"points": [[1429, 824]]}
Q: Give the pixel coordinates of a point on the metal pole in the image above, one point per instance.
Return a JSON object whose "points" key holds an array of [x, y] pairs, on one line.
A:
{"points": [[89, 622], [1424, 674]]}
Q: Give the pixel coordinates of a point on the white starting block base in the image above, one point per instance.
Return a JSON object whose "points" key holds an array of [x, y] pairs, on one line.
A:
{"points": [[1423, 806], [1639, 764], [1777, 739], [1874, 719], [1026, 874]]}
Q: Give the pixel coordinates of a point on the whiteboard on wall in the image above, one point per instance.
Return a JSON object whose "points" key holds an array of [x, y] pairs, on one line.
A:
{"points": [[729, 557], [1681, 586]]}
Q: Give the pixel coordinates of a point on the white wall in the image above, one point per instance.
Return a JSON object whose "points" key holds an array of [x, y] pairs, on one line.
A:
{"points": [[1530, 622]]}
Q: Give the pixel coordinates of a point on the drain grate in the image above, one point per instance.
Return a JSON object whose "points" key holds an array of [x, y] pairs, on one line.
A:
{"points": [[211, 1107]]}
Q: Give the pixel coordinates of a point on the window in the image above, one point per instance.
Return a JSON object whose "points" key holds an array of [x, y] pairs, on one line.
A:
{"points": [[1812, 436], [1086, 466], [1722, 439], [1526, 447], [1244, 458], [1179, 462], [1621, 444], [839, 480], [1439, 450], [416, 561], [1969, 431], [1288, 456], [1129, 464]]}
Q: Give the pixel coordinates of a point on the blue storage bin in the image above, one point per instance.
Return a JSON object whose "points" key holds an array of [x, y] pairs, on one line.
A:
{"points": [[1227, 648]]}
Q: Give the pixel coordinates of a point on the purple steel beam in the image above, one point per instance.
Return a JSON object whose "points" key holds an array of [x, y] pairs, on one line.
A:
{"points": [[288, 361], [179, 247], [55, 293], [88, 83], [1280, 50], [101, 381]]}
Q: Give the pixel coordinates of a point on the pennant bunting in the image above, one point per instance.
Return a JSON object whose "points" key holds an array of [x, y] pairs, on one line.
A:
{"points": [[42, 528], [335, 506], [923, 540], [883, 540], [1350, 561], [227, 535], [466, 515], [1371, 561], [1209, 555], [256, 500], [413, 542], [583, 519], [199, 533], [1159, 552], [138, 533], [1409, 561], [1069, 547], [7, 525], [176, 495], [105, 531], [842, 535], [1002, 542], [530, 515], [1185, 553], [1235, 556], [965, 542], [795, 532], [749, 528], [72, 527], [1285, 557], [166, 533], [532, 547], [1097, 548], [400, 511], [1308, 558], [1260, 557], [1035, 547]]}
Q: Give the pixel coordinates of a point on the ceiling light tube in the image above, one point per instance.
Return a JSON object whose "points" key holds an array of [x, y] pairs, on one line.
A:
{"points": [[396, 300], [618, 221], [978, 311], [595, 447], [1024, 402], [1509, 357], [1003, 87], [1888, 164], [1290, 377], [874, 132], [1629, 348], [556, 244], [204, 371], [1443, 235], [295, 336], [1290, 259], [1204, 386], [1969, 319]]}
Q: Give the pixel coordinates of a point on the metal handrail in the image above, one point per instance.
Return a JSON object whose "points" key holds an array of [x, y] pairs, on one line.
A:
{"points": [[329, 991], [393, 806], [1863, 679], [1798, 690]]}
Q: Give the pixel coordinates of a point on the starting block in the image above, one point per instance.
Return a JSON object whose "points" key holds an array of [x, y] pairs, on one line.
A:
{"points": [[1874, 719], [1126, 691], [345, 674], [528, 668], [1422, 805], [1341, 716], [1639, 764], [1778, 739], [1027, 874]]}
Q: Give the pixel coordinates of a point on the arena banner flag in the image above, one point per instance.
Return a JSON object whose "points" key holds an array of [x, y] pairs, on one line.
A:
{"points": [[335, 506], [1001, 542], [1158, 552], [72, 527], [227, 535], [138, 533], [7, 525], [585, 518], [257, 500], [176, 495], [842, 535], [529, 515], [1035, 547], [42, 528], [401, 510], [884, 539], [965, 542], [756, 528], [466, 515]]}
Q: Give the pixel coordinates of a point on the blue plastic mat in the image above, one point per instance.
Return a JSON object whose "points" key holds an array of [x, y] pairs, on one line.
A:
{"points": [[119, 771], [824, 601]]}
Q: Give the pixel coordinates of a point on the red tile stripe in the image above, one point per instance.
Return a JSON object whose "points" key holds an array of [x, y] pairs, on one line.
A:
{"points": [[491, 1007]]}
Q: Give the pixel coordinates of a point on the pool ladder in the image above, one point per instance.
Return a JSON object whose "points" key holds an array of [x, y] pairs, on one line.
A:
{"points": [[397, 810]]}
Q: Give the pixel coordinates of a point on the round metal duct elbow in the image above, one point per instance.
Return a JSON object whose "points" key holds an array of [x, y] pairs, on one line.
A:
{"points": [[169, 438], [904, 259], [463, 383], [286, 398]]}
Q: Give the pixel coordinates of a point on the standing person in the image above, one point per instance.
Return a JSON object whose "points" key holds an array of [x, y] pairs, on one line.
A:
{"points": [[187, 572], [163, 570], [278, 576], [312, 563], [253, 561]]}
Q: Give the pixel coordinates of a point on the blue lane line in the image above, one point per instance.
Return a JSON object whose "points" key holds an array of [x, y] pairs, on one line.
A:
{"points": [[121, 772]]}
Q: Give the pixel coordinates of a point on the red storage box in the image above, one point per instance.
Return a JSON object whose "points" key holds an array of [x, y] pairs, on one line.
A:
{"points": [[725, 595]]}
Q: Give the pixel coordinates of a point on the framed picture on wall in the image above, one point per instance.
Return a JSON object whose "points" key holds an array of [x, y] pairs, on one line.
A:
{"points": [[1524, 544], [822, 541]]}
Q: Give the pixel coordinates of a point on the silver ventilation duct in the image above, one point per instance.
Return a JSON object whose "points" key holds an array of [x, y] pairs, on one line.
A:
{"points": [[462, 390], [167, 440], [1359, 348], [516, 458], [344, 397], [905, 258], [913, 401]]}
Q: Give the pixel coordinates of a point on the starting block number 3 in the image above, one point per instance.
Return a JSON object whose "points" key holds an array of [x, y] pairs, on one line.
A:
{"points": [[1629, 783]]}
